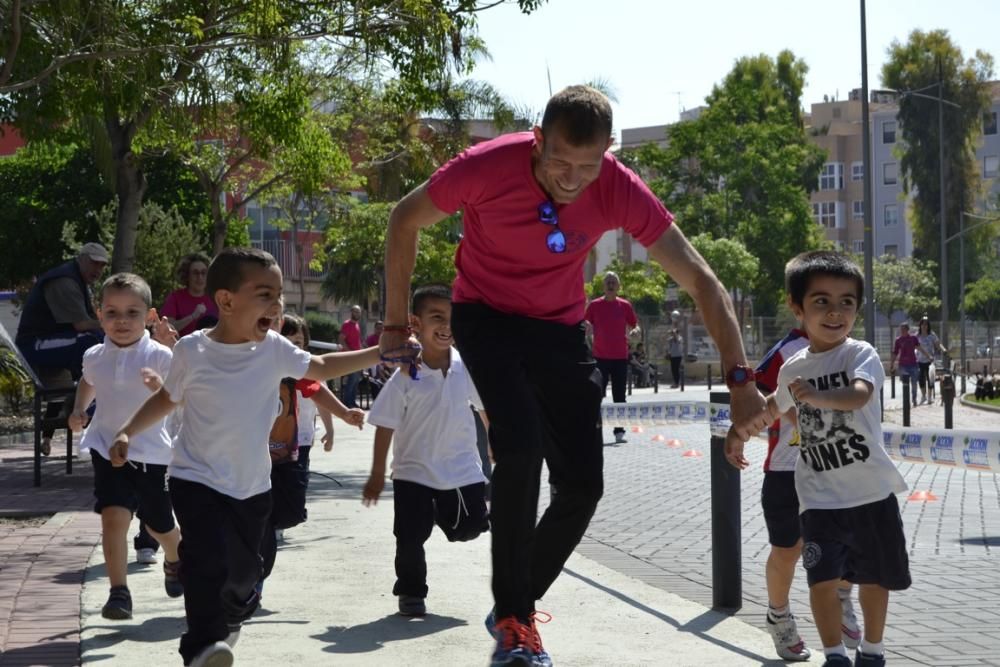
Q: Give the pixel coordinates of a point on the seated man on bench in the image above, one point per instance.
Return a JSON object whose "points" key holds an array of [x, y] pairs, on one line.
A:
{"points": [[58, 323]]}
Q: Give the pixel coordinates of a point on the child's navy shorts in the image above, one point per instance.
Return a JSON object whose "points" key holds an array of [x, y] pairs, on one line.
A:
{"points": [[134, 486], [864, 545], [781, 508]]}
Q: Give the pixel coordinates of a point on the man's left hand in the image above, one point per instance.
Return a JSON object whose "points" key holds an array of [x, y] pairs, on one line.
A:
{"points": [[748, 411]]}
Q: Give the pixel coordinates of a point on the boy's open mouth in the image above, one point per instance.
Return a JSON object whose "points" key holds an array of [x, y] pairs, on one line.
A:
{"points": [[265, 323]]}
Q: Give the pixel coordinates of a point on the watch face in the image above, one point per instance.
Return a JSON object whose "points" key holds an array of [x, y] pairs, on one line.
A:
{"points": [[740, 375]]}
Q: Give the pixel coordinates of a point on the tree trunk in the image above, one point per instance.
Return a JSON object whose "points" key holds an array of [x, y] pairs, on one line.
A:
{"points": [[220, 219], [130, 188]]}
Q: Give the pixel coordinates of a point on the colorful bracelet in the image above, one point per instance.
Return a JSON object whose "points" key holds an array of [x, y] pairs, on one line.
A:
{"points": [[401, 328]]}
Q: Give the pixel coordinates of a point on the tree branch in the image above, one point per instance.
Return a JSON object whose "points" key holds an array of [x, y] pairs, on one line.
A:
{"points": [[15, 42]]}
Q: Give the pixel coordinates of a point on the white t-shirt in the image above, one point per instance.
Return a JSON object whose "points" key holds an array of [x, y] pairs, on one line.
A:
{"points": [[434, 443], [843, 462], [307, 421], [230, 398], [115, 373]]}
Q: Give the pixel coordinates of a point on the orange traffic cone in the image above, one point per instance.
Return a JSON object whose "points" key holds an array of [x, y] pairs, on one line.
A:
{"points": [[692, 454], [922, 495], [674, 443]]}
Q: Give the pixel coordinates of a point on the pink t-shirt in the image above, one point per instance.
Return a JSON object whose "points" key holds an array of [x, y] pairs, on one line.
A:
{"points": [[611, 321], [502, 260], [906, 349], [351, 331], [372, 340], [180, 303]]}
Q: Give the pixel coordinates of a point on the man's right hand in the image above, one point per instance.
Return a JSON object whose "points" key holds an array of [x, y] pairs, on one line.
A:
{"points": [[398, 349], [199, 310]]}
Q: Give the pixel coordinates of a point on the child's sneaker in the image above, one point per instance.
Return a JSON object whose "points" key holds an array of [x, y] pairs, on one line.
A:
{"points": [[491, 623], [785, 634], [119, 604], [234, 635], [837, 660], [171, 578], [214, 655], [514, 640], [411, 605], [849, 628], [145, 556], [867, 660]]}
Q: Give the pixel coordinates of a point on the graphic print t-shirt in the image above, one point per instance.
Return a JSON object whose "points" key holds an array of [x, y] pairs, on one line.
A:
{"points": [[842, 462]]}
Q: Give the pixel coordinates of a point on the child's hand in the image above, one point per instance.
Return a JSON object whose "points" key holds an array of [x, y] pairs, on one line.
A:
{"points": [[119, 450], [151, 379], [327, 441], [164, 332], [373, 489], [734, 450], [77, 420], [354, 417], [802, 391]]}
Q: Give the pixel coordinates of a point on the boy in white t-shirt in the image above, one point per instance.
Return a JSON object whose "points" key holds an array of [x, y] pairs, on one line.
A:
{"points": [[120, 373], [437, 476], [845, 481], [227, 379]]}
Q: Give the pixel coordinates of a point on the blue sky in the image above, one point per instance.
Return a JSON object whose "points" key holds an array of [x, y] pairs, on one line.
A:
{"points": [[661, 55]]}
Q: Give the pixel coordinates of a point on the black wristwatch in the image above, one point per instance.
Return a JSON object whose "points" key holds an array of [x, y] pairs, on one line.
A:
{"points": [[740, 376]]}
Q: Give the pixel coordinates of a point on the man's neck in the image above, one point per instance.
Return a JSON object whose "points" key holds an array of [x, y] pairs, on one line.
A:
{"points": [[610, 297]]}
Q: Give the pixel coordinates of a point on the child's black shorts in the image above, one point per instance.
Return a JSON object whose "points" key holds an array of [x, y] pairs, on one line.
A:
{"points": [[134, 486], [864, 545], [781, 508]]}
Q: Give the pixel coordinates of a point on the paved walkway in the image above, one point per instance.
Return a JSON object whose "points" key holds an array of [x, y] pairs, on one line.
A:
{"points": [[41, 566]]}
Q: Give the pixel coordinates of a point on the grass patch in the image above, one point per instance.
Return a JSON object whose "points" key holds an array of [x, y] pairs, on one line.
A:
{"points": [[995, 402]]}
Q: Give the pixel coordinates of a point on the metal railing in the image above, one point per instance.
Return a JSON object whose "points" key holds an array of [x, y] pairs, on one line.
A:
{"points": [[284, 253]]}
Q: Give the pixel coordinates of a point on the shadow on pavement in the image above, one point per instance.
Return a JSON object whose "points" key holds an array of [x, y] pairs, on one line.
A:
{"points": [[44, 653], [374, 635], [696, 626], [152, 630], [985, 541]]}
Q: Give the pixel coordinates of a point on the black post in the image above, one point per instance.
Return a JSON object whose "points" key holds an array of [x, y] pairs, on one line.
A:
{"points": [[881, 404], [727, 583], [948, 399], [709, 373], [682, 376], [906, 399], [69, 451], [892, 374]]}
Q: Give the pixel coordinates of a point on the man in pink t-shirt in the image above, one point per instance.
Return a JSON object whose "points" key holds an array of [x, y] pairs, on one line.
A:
{"points": [[534, 204], [904, 349], [612, 320], [350, 338]]}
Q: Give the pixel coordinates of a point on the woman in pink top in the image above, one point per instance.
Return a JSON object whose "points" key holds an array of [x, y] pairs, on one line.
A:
{"points": [[185, 307]]}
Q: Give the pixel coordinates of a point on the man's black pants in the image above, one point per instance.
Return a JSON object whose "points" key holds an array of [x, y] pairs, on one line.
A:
{"points": [[220, 559], [615, 370], [542, 393]]}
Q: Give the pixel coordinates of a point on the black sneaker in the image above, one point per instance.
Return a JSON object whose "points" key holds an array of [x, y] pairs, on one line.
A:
{"points": [[837, 660], [119, 604], [868, 660], [171, 578], [411, 605]]}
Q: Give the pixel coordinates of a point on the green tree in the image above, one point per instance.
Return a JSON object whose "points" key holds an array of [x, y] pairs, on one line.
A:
{"points": [[744, 169], [128, 71], [354, 249], [906, 285], [982, 301], [918, 65], [733, 265]]}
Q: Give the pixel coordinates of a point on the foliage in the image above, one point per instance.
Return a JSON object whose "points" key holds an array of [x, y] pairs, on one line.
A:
{"points": [[51, 194], [918, 65], [164, 238], [131, 74], [354, 248], [906, 285], [744, 169], [322, 327], [982, 298], [644, 284], [15, 385]]}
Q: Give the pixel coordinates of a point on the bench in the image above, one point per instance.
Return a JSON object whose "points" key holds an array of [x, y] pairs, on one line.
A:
{"points": [[54, 393]]}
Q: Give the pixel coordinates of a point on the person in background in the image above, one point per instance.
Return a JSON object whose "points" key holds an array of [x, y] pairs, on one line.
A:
{"points": [[187, 306]]}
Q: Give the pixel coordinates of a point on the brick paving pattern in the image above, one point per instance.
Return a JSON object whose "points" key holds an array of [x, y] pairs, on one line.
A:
{"points": [[654, 524], [42, 565]]}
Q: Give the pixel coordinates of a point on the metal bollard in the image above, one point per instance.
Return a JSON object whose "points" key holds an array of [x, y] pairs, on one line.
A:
{"points": [[892, 374], [727, 545], [881, 404], [948, 398], [906, 399], [709, 377], [682, 377]]}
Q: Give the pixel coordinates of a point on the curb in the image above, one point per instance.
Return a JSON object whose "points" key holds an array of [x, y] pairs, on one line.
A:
{"points": [[979, 406]]}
